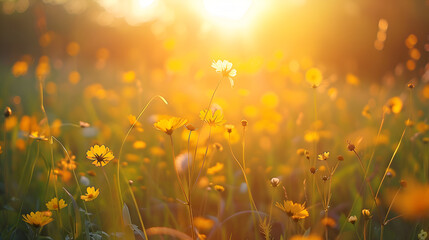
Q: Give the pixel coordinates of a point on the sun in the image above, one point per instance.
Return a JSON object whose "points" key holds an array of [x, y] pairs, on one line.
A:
{"points": [[145, 3], [228, 9]]}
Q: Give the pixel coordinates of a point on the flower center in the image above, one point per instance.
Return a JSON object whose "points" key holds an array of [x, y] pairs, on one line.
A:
{"points": [[100, 158]]}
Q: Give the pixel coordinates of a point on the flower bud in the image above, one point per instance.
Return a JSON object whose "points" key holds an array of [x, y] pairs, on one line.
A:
{"points": [[275, 182]]}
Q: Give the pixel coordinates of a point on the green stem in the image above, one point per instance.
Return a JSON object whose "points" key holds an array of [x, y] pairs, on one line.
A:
{"points": [[138, 210], [125, 138], [181, 187], [75, 178], [252, 202]]}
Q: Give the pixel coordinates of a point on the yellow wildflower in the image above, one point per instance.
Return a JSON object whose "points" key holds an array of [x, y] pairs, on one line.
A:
{"points": [[100, 155], [309, 237], [203, 224], [91, 194], [170, 124], [54, 204], [215, 169], [20, 68], [212, 118], [294, 210], [137, 125], [35, 135], [219, 188], [366, 213], [323, 156], [314, 77], [394, 105], [67, 163], [226, 69], [38, 219]]}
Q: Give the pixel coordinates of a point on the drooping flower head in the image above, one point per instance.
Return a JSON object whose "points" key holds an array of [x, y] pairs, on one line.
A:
{"points": [[226, 69], [212, 118], [101, 155], [90, 195], [54, 204], [170, 124], [38, 219]]}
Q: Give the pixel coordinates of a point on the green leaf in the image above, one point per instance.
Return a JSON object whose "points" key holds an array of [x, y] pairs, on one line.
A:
{"points": [[78, 221]]}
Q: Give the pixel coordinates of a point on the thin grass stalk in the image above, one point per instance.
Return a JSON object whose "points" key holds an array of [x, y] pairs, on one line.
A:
{"points": [[5, 161], [76, 180], [252, 202], [313, 199], [365, 224], [365, 179], [384, 223], [191, 220], [390, 162], [189, 187], [138, 210], [204, 159], [205, 116], [125, 138], [51, 142]]}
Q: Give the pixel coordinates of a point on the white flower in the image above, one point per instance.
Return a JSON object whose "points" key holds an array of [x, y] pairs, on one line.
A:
{"points": [[423, 235], [225, 68]]}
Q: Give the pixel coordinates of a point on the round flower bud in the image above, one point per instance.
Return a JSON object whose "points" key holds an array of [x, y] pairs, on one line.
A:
{"points": [[7, 112], [275, 182]]}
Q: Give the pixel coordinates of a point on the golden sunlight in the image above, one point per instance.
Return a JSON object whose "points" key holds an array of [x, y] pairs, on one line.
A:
{"points": [[228, 9]]}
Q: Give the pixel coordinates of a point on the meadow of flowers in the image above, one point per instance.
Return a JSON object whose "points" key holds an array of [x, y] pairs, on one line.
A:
{"points": [[131, 125]]}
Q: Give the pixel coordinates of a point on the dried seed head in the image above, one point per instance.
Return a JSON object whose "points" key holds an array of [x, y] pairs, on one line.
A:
{"points": [[229, 128], [340, 158], [313, 170], [352, 219], [403, 183], [410, 85], [190, 127], [275, 182], [7, 112], [307, 154], [351, 147], [325, 178], [244, 123], [218, 147]]}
